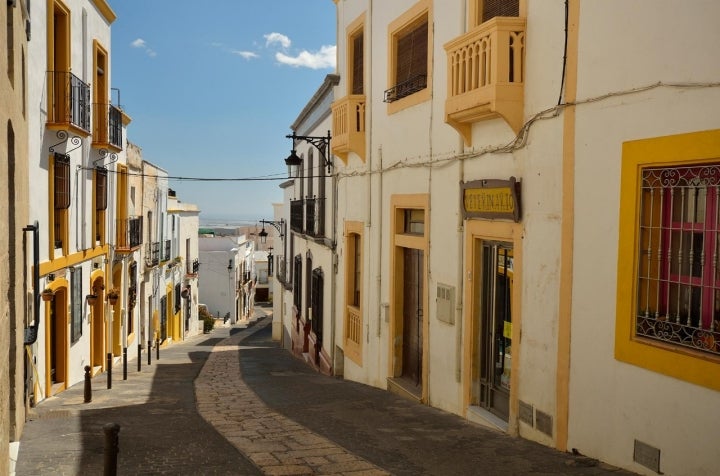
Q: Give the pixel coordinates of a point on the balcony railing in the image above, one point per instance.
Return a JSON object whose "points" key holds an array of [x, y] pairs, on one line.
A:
{"points": [[353, 333], [152, 253], [129, 234], [166, 250], [406, 88], [107, 126], [69, 101], [486, 75], [315, 217], [296, 216], [192, 267], [349, 126]]}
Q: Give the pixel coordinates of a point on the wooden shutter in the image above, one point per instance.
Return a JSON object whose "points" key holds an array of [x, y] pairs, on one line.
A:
{"points": [[61, 181], [357, 78], [412, 50], [100, 188], [500, 8]]}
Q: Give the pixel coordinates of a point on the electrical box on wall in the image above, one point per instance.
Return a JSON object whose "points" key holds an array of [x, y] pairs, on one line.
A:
{"points": [[446, 303]]}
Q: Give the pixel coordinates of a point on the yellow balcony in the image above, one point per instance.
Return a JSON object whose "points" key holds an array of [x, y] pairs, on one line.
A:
{"points": [[353, 334], [349, 126], [486, 75]]}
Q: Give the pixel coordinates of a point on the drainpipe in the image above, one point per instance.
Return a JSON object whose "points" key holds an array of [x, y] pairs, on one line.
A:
{"points": [[31, 332]]}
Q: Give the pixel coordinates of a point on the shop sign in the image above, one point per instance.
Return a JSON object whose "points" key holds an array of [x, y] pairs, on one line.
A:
{"points": [[491, 199]]}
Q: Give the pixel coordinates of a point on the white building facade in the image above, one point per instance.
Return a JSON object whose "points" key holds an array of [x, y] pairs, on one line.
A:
{"points": [[503, 251]]}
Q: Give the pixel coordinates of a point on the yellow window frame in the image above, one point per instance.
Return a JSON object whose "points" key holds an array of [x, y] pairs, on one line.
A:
{"points": [[664, 358]]}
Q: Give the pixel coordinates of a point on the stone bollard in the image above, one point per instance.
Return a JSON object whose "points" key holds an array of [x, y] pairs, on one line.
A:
{"points": [[124, 363], [112, 448], [88, 387], [109, 370]]}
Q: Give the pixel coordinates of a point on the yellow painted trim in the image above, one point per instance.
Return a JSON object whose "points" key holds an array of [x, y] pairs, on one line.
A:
{"points": [[400, 25], [399, 241], [353, 228], [567, 239], [73, 259], [105, 10], [353, 29], [682, 364], [477, 231], [55, 286]]}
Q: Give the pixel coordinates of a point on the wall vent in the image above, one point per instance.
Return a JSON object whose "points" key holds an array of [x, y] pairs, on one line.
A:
{"points": [[543, 422], [526, 413], [647, 456], [446, 303]]}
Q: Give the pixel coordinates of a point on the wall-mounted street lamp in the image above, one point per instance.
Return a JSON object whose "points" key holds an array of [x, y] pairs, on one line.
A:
{"points": [[278, 225], [321, 143]]}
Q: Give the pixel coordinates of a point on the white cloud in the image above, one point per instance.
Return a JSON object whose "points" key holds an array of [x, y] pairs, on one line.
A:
{"points": [[245, 54], [142, 44], [325, 58], [277, 38]]}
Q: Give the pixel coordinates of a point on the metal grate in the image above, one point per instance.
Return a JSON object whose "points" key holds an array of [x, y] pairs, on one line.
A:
{"points": [[679, 257]]}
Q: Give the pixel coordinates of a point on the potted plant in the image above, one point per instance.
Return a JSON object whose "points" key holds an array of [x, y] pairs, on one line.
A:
{"points": [[113, 295], [47, 294], [91, 299]]}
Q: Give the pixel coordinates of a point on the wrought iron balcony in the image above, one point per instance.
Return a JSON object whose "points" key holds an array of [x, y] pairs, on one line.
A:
{"points": [[68, 101], [166, 250], [296, 216], [406, 88], [315, 217], [486, 75], [129, 234], [152, 254], [107, 126], [192, 268], [349, 126]]}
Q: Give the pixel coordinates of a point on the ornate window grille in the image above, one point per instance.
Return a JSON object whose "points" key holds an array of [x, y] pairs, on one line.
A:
{"points": [[678, 289]]}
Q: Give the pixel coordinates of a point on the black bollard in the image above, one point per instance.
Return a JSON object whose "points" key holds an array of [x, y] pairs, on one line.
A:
{"points": [[112, 448], [124, 363], [157, 348], [149, 352], [139, 356], [109, 370], [88, 388]]}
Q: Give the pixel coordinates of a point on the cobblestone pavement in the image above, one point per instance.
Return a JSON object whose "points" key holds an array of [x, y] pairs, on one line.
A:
{"points": [[161, 431], [255, 409]]}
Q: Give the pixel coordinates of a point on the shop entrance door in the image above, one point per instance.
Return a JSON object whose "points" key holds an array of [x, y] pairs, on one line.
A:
{"points": [[495, 327]]}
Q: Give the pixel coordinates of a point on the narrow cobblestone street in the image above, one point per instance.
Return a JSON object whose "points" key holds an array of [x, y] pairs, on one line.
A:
{"points": [[254, 409]]}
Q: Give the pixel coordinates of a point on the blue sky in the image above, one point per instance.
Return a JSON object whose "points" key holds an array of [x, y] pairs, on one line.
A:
{"points": [[213, 87]]}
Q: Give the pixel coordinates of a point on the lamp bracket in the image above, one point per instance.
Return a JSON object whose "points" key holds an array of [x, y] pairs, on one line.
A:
{"points": [[321, 143], [275, 224]]}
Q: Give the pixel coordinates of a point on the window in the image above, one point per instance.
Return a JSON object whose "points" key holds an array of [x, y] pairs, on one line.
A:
{"points": [[678, 268], [411, 63], [76, 303], [414, 221], [10, 44], [61, 198], [410, 38], [100, 203], [668, 294], [297, 284], [484, 10], [357, 69]]}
